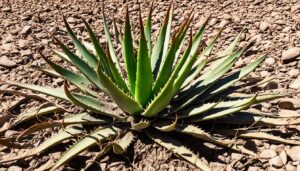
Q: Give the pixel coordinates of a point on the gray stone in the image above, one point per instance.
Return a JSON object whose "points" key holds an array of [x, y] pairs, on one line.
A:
{"points": [[4, 61]]}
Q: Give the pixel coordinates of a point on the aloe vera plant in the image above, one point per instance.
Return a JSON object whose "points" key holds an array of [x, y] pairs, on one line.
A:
{"points": [[164, 89]]}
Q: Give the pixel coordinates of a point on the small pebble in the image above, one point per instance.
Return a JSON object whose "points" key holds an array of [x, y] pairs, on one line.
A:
{"points": [[294, 73], [290, 53], [23, 43], [267, 154], [264, 74], [276, 161], [14, 168], [26, 30], [270, 61], [295, 84], [71, 20], [263, 26]]}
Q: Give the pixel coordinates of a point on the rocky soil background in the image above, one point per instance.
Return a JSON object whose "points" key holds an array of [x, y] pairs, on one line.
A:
{"points": [[273, 24]]}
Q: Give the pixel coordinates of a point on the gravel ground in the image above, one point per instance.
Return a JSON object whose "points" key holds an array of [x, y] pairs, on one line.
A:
{"points": [[273, 24]]}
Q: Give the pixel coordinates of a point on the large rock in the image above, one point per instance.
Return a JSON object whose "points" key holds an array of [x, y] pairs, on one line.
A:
{"points": [[290, 53]]}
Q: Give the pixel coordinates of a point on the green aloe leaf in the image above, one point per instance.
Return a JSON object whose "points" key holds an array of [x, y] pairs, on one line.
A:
{"points": [[97, 105], [147, 29], [124, 101], [100, 53], [201, 84], [78, 80], [144, 79], [195, 72], [117, 32], [92, 104], [85, 69], [116, 75], [46, 71], [87, 55], [177, 147], [109, 41], [61, 55], [158, 49], [226, 82], [202, 108], [162, 99], [201, 61], [166, 68], [193, 111], [184, 71], [229, 50], [50, 91], [224, 111], [198, 37], [98, 136], [128, 54]]}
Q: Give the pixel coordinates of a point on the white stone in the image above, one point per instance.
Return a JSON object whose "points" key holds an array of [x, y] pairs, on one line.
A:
{"points": [[4, 61], [295, 84], [291, 53]]}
